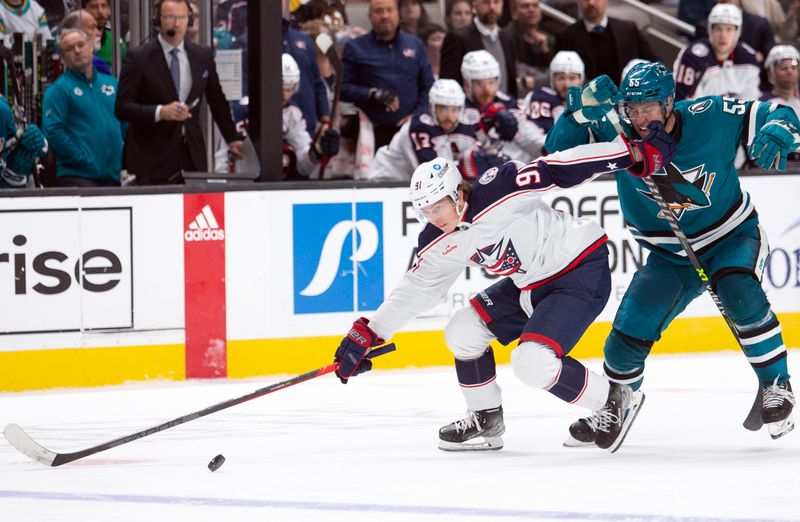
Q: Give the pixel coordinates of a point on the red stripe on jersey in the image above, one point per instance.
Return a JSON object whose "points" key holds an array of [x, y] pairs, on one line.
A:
{"points": [[539, 338], [572, 265]]}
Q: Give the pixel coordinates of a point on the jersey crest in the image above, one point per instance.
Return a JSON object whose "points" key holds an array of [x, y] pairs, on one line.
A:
{"points": [[683, 190], [488, 176], [702, 106], [500, 258]]}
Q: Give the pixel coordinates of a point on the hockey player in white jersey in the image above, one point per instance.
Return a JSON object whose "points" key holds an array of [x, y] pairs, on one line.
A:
{"points": [[501, 126], [438, 133], [719, 65], [783, 71], [544, 104], [301, 155], [556, 281], [26, 17]]}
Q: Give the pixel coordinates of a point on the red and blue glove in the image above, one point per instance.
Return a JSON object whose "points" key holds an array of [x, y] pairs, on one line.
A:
{"points": [[496, 115], [352, 354], [656, 150]]}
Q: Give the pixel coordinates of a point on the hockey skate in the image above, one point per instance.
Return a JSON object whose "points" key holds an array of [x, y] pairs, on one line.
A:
{"points": [[608, 426], [776, 411], [480, 431]]}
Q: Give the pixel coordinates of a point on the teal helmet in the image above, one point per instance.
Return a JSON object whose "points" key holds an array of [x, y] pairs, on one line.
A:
{"points": [[648, 82]]}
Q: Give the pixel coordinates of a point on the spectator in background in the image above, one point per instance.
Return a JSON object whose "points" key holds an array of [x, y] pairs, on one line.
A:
{"points": [[84, 21], [771, 10], [694, 12], [311, 97], [432, 36], [413, 16], [483, 33], [193, 32], [386, 72], [101, 10], [160, 86], [719, 64], [314, 28], [604, 44], [755, 31], [78, 118], [23, 16], [533, 46], [300, 155], [782, 69], [457, 14]]}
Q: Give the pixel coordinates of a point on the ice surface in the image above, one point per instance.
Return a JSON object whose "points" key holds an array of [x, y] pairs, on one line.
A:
{"points": [[367, 451]]}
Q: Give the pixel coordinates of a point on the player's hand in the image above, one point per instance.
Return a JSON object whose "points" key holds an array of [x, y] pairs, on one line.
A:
{"points": [[235, 148], [600, 90], [175, 111], [32, 140], [386, 98], [772, 144], [327, 144], [352, 352], [652, 152], [496, 115], [585, 114]]}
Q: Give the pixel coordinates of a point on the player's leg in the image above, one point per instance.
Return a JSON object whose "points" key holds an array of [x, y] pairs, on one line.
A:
{"points": [[492, 314], [659, 291], [737, 267]]}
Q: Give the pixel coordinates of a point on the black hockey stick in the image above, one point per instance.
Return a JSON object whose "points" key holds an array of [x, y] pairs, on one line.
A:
{"points": [[30, 448], [753, 421]]}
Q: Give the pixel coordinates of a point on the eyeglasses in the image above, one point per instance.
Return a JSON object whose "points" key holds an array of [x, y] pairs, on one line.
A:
{"points": [[174, 18]]}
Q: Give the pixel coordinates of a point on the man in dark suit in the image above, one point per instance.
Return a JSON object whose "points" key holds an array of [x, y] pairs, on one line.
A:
{"points": [[160, 85], [604, 44], [482, 33]]}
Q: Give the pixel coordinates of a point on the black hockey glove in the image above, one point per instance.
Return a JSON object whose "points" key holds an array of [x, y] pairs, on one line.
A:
{"points": [[656, 150], [383, 96], [326, 145], [496, 115], [353, 352]]}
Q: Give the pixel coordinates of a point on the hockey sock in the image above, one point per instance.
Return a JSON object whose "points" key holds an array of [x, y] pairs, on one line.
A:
{"points": [[477, 378], [624, 358], [575, 384]]}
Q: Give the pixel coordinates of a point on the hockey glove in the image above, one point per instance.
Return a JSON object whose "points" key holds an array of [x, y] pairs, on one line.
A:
{"points": [[327, 144], [496, 115], [600, 90], [773, 142], [656, 150], [383, 96], [352, 354], [33, 140], [476, 162], [585, 114]]}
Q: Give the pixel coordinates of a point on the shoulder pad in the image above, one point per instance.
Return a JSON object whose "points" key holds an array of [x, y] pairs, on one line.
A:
{"points": [[425, 119], [700, 49], [470, 116], [427, 236], [549, 90]]}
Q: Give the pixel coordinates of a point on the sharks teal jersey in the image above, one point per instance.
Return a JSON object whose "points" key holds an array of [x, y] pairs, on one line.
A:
{"points": [[700, 184]]}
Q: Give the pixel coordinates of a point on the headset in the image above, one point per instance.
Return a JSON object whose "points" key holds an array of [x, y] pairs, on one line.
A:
{"points": [[156, 20]]}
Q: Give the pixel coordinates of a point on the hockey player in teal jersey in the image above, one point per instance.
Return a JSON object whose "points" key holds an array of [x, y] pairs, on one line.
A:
{"points": [[18, 150], [720, 221]]}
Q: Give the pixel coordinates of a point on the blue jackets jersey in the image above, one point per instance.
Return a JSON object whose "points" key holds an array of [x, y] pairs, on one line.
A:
{"points": [[311, 97], [700, 183], [699, 73], [400, 65], [542, 105]]}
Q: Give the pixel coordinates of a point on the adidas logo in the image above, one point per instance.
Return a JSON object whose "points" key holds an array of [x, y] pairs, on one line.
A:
{"points": [[204, 227]]}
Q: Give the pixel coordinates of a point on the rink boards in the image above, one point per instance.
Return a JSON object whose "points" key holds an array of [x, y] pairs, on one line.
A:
{"points": [[107, 289]]}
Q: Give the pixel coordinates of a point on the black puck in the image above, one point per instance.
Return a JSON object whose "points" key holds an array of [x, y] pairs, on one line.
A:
{"points": [[216, 462]]}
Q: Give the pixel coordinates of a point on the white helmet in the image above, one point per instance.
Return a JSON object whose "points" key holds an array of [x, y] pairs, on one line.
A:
{"points": [[566, 62], [445, 92], [432, 181], [780, 53], [290, 71], [725, 14], [479, 65]]}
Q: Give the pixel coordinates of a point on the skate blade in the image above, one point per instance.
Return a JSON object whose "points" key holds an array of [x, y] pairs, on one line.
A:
{"points": [[486, 444], [572, 442], [779, 429], [636, 404]]}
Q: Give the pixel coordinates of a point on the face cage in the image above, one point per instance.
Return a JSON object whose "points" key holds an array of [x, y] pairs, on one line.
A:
{"points": [[666, 108]]}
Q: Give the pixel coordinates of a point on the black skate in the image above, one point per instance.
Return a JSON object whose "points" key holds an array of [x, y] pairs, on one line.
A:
{"points": [[583, 432], [479, 431], [776, 411], [608, 426]]}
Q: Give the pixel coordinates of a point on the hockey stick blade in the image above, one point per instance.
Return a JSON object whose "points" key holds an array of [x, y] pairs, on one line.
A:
{"points": [[753, 422], [23, 443]]}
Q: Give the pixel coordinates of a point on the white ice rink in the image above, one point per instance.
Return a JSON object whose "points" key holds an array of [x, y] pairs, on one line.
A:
{"points": [[367, 452]]}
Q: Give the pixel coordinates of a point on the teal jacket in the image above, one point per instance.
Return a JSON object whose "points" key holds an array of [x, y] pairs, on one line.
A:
{"points": [[80, 125]]}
